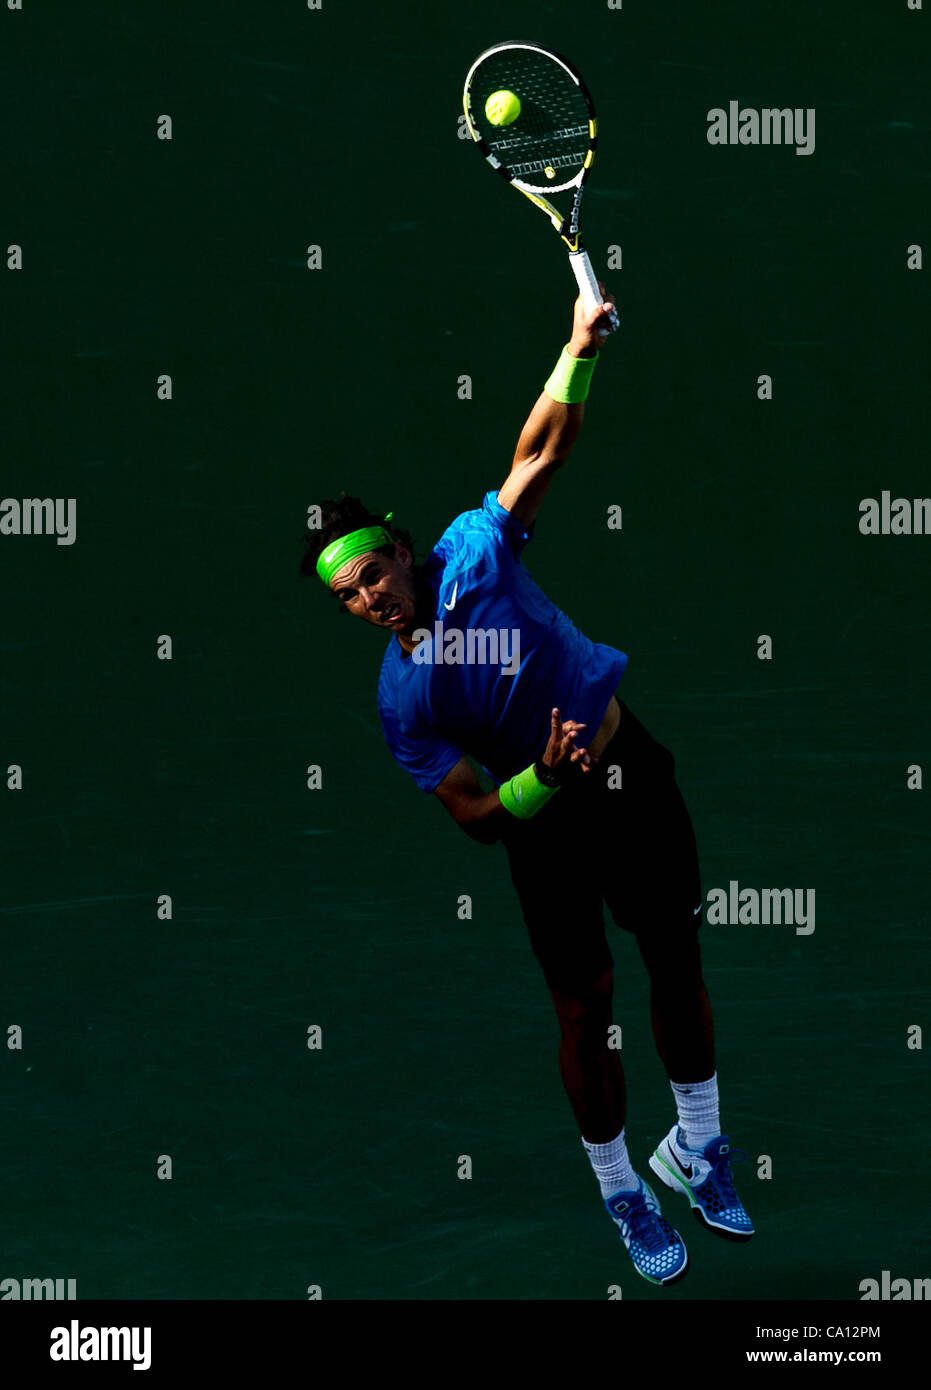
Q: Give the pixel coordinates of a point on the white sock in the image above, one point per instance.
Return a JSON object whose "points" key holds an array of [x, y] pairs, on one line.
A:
{"points": [[612, 1166], [697, 1104]]}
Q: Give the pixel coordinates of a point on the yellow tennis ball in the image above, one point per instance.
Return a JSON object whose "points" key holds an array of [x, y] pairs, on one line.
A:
{"points": [[502, 108]]}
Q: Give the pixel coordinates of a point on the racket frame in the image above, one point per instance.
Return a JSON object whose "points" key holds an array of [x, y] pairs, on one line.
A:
{"points": [[567, 226]]}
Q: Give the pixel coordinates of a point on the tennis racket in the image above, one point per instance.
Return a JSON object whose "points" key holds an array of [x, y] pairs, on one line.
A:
{"points": [[549, 146]]}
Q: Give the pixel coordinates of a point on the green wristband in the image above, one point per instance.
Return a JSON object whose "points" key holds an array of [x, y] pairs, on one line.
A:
{"points": [[525, 795], [570, 378]]}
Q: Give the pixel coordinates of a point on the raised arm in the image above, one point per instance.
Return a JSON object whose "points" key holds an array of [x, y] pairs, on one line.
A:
{"points": [[552, 427]]}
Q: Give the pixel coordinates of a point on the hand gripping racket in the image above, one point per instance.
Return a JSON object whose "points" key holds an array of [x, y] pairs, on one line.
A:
{"points": [[549, 146]]}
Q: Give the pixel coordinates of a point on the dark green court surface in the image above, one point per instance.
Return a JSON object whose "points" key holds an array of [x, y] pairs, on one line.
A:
{"points": [[145, 1037]]}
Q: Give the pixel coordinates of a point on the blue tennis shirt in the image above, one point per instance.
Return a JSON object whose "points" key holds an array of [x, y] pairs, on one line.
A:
{"points": [[499, 656]]}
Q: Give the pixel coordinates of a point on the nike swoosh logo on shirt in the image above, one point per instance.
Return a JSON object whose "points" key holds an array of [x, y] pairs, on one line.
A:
{"points": [[452, 602]]}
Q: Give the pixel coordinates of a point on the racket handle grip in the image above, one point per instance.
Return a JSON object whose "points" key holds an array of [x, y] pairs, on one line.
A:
{"points": [[588, 285]]}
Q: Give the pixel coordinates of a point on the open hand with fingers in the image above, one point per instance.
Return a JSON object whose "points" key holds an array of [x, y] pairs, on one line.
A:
{"points": [[563, 756]]}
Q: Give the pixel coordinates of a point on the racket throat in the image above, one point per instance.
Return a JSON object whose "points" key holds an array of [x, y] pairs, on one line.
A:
{"points": [[569, 227]]}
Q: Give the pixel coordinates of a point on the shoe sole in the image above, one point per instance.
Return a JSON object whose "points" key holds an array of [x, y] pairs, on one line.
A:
{"points": [[662, 1283], [672, 1180], [665, 1283]]}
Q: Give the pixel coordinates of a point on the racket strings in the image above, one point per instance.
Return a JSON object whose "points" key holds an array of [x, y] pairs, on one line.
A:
{"points": [[552, 130]]}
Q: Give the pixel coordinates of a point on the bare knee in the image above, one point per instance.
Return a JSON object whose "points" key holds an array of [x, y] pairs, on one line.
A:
{"points": [[587, 1012]]}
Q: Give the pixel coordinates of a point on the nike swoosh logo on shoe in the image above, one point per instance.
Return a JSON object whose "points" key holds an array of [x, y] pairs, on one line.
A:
{"points": [[687, 1172]]}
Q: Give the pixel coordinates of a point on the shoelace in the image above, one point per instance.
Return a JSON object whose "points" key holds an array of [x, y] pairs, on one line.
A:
{"points": [[722, 1171], [640, 1221]]}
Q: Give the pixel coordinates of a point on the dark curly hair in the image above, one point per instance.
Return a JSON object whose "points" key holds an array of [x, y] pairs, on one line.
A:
{"points": [[339, 516]]}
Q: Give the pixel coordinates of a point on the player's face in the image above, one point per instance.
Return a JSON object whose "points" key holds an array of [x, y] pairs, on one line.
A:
{"points": [[380, 589]]}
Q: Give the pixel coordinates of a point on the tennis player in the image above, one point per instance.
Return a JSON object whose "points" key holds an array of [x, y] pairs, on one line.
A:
{"points": [[481, 668]]}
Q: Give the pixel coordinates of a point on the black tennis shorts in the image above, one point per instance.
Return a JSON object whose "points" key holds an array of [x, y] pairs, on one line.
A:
{"points": [[631, 847]]}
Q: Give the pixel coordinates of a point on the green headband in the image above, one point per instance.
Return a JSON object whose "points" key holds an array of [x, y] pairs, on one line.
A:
{"points": [[332, 559]]}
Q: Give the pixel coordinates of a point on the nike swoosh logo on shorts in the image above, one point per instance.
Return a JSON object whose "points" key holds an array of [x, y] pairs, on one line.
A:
{"points": [[452, 603]]}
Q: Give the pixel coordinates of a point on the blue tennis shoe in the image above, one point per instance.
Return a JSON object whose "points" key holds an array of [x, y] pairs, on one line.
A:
{"points": [[656, 1249], [705, 1177]]}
